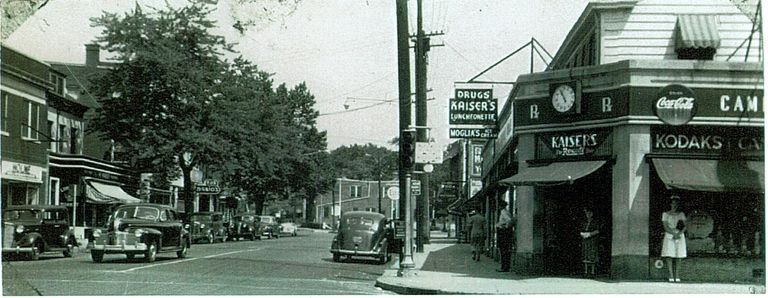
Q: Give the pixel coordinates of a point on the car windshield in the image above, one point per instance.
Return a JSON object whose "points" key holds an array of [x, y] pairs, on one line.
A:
{"points": [[21, 215], [140, 212], [268, 220], [55, 215], [248, 218], [359, 223]]}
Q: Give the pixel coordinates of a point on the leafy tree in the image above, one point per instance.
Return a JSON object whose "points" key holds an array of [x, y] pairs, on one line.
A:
{"points": [[158, 102], [365, 162]]}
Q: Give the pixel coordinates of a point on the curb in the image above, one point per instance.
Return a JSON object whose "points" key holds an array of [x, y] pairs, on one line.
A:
{"points": [[405, 290]]}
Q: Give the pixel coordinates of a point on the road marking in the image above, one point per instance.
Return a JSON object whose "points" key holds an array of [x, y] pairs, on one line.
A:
{"points": [[189, 259]]}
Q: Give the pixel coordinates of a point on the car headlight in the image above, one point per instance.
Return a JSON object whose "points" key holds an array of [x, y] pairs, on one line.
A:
{"points": [[96, 233], [138, 233], [202, 226], [20, 229]]}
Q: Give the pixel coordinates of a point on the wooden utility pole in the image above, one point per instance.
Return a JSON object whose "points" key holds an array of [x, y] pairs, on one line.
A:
{"points": [[422, 46]]}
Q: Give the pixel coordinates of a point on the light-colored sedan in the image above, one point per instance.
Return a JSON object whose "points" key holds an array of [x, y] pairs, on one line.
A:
{"points": [[289, 228]]}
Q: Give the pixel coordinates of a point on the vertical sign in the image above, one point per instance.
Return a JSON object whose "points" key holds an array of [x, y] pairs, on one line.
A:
{"points": [[476, 160]]}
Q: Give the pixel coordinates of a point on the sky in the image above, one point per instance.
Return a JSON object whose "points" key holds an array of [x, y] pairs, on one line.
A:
{"points": [[345, 50]]}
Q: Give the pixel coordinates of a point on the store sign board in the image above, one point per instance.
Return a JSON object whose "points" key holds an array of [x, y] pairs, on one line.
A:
{"points": [[209, 186], [675, 104], [21, 172], [713, 140], [476, 161], [475, 185], [473, 106], [472, 133], [574, 143]]}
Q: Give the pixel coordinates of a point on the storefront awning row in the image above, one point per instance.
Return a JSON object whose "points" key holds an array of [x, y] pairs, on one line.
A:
{"points": [[101, 193], [711, 175], [555, 172]]}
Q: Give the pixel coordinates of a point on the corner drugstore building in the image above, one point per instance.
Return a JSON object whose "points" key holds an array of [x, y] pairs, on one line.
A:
{"points": [[640, 102]]}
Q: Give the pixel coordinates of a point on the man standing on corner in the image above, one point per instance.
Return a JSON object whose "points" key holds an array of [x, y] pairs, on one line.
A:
{"points": [[505, 236]]}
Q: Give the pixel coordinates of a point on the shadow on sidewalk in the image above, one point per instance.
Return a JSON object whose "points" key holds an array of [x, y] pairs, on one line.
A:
{"points": [[458, 259]]}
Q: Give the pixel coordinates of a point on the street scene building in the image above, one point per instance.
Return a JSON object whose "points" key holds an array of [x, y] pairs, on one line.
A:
{"points": [[642, 101]]}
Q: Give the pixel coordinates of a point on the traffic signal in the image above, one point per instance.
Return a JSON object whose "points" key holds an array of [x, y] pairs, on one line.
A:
{"points": [[408, 149]]}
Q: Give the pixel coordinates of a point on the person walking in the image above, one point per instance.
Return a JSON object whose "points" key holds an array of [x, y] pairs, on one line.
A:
{"points": [[590, 228], [505, 236], [673, 247], [476, 225]]}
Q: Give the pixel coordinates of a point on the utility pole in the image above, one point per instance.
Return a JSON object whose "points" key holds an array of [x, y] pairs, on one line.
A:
{"points": [[404, 91], [421, 48]]}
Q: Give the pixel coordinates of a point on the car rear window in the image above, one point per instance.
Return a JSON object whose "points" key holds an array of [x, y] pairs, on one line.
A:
{"points": [[55, 215], [141, 212], [201, 217], [359, 223], [21, 215], [268, 220]]}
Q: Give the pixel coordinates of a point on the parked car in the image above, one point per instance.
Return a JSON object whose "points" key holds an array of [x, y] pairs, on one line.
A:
{"points": [[244, 225], [362, 233], [288, 228], [208, 226], [272, 228], [37, 229], [140, 228]]}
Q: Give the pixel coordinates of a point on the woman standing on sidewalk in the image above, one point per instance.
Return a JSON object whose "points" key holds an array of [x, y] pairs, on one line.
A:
{"points": [[590, 228], [476, 227], [673, 247]]}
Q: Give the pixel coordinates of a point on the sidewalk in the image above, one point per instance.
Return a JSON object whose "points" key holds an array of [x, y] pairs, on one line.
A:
{"points": [[446, 267]]}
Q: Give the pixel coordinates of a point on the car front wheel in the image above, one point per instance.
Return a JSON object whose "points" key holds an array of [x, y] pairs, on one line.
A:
{"points": [[97, 256], [69, 251], [384, 255], [336, 257], [151, 253]]}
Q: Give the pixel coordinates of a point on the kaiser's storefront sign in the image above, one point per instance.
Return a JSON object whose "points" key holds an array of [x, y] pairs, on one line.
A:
{"points": [[572, 143], [675, 104]]}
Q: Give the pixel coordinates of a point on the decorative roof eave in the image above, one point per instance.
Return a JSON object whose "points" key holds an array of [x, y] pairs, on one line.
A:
{"points": [[578, 28]]}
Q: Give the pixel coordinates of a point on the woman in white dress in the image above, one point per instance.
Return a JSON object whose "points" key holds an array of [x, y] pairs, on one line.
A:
{"points": [[673, 248]]}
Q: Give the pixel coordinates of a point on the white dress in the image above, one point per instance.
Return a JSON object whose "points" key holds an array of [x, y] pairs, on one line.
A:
{"points": [[670, 247]]}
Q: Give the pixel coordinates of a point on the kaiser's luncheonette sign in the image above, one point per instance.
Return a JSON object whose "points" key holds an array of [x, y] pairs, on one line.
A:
{"points": [[675, 104]]}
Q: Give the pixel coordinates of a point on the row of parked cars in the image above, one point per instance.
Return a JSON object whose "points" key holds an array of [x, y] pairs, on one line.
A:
{"points": [[133, 229]]}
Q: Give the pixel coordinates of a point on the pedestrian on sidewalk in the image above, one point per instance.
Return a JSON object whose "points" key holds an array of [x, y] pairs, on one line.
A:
{"points": [[590, 229], [505, 236], [673, 247], [476, 225]]}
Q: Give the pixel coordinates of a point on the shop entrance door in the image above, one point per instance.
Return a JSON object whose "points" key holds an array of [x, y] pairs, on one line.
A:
{"points": [[563, 214]]}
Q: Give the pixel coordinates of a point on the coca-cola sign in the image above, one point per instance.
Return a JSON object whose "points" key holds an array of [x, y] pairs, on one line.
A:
{"points": [[675, 104]]}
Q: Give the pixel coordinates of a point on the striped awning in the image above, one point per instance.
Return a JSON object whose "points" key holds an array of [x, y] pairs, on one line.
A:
{"points": [[696, 31], [711, 175], [102, 193]]}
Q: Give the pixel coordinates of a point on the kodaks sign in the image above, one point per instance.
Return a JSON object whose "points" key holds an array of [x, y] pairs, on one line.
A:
{"points": [[675, 104], [745, 140]]}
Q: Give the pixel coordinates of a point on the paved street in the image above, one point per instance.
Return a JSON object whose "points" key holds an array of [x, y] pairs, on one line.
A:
{"points": [[298, 265]]}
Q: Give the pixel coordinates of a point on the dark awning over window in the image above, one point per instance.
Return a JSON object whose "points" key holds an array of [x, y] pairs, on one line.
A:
{"points": [[696, 31], [553, 173], [711, 175]]}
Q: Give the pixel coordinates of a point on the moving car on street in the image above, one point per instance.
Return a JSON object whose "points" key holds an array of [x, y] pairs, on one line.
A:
{"points": [[36, 229], [208, 226], [271, 227], [363, 234], [140, 228], [244, 225], [288, 228]]}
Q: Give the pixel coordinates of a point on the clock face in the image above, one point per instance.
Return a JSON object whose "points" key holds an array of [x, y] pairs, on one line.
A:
{"points": [[563, 98]]}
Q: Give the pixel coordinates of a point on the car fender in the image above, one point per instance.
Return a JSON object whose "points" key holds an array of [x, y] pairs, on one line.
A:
{"points": [[29, 239], [70, 235]]}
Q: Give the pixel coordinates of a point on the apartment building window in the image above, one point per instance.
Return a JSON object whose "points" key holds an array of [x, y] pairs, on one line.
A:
{"points": [[58, 84], [63, 146], [73, 141], [31, 127], [52, 133], [4, 115], [370, 209], [354, 191]]}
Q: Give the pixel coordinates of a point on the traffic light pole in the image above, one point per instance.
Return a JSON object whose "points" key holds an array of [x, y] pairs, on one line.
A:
{"points": [[404, 92]]}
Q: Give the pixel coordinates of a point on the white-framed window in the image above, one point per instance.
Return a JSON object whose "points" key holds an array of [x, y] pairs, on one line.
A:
{"points": [[55, 188], [63, 138], [32, 125], [52, 134], [59, 83], [370, 209], [4, 115], [354, 191]]}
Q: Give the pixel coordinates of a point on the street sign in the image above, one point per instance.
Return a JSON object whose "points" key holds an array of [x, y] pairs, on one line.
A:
{"points": [[428, 153], [416, 187], [393, 193]]}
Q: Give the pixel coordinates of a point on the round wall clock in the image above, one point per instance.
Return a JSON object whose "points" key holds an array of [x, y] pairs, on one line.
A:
{"points": [[563, 98]]}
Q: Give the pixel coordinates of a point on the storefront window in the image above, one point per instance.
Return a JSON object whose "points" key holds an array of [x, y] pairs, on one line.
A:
{"points": [[720, 224]]}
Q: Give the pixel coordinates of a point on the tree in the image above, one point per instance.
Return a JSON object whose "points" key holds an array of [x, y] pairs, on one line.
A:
{"points": [[158, 101], [365, 162]]}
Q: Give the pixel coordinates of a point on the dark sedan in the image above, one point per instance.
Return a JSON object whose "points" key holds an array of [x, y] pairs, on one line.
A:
{"points": [[363, 234]]}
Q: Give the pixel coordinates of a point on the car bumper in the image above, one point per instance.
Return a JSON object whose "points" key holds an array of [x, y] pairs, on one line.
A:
{"points": [[19, 250], [369, 253], [119, 248]]}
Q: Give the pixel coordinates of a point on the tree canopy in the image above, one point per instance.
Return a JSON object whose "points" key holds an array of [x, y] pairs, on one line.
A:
{"points": [[175, 103]]}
